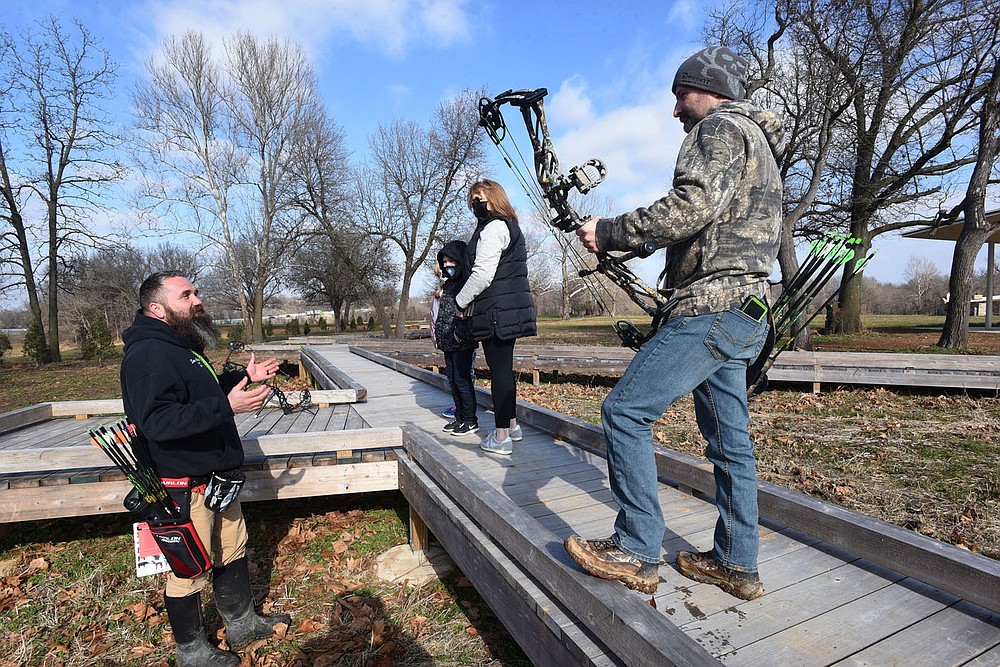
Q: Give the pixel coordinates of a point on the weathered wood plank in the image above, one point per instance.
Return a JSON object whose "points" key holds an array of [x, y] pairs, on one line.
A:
{"points": [[329, 375], [66, 458], [791, 606], [90, 408], [952, 636], [53, 502], [629, 627], [486, 569], [845, 630], [25, 416]]}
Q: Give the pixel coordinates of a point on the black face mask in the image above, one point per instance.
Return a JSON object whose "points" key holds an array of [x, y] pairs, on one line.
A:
{"points": [[449, 271], [480, 210]]}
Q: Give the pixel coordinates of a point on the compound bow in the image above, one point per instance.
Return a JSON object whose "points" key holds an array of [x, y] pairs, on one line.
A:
{"points": [[551, 196]]}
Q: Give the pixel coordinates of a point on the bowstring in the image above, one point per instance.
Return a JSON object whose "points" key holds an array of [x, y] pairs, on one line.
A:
{"points": [[533, 190]]}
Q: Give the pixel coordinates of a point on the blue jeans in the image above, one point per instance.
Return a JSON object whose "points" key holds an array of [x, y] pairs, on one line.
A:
{"points": [[459, 365], [707, 355]]}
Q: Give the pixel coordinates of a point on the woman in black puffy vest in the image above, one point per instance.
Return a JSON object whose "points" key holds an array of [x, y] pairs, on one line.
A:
{"points": [[496, 301]]}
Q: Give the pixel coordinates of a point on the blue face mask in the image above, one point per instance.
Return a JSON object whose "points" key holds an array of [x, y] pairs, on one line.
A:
{"points": [[449, 271]]}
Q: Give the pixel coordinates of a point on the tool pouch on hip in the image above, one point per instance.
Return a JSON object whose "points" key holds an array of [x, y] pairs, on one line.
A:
{"points": [[179, 542], [223, 488], [177, 537]]}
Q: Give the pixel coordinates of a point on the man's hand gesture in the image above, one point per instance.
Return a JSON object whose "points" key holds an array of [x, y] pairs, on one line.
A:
{"points": [[247, 401], [265, 370]]}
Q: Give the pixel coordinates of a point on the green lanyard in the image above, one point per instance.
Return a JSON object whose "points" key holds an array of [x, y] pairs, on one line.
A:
{"points": [[207, 365]]}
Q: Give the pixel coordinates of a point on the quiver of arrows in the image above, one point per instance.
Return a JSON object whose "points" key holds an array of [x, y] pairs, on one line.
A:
{"points": [[168, 522]]}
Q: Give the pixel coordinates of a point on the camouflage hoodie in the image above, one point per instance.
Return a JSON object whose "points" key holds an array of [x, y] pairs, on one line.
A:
{"points": [[721, 219]]}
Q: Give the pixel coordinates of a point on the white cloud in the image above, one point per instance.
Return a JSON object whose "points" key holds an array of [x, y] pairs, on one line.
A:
{"points": [[637, 142], [686, 14], [389, 27]]}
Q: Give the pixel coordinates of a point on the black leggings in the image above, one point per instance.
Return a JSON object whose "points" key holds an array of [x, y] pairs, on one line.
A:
{"points": [[500, 358]]}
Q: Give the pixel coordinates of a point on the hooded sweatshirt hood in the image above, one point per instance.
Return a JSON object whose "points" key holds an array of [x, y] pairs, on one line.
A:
{"points": [[453, 249], [768, 122]]}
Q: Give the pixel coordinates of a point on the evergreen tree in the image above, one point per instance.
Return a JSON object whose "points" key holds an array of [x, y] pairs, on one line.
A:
{"points": [[4, 345], [35, 346]]}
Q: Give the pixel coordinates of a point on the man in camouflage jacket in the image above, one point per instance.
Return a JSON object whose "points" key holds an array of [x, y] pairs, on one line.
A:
{"points": [[720, 224]]}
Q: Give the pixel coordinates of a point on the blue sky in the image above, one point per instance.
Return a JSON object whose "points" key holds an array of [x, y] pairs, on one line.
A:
{"points": [[608, 67]]}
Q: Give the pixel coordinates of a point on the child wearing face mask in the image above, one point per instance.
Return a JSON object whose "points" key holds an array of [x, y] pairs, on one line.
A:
{"points": [[452, 337]]}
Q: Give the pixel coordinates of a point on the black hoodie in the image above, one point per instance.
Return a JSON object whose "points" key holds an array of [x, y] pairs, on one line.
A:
{"points": [[449, 333], [176, 401]]}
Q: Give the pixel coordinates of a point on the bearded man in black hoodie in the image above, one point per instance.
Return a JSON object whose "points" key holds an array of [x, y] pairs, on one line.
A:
{"points": [[184, 412]]}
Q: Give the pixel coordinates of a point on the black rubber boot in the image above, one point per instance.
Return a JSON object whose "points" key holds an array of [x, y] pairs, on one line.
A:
{"points": [[234, 600], [193, 649]]}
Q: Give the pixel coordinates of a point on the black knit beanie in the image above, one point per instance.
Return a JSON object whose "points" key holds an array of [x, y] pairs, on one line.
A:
{"points": [[715, 69]]}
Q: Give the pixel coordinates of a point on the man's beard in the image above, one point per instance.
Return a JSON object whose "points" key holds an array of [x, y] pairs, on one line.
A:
{"points": [[197, 326]]}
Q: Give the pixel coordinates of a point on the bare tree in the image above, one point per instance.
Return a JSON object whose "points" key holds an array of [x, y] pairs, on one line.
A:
{"points": [[791, 78], [913, 82], [105, 283], [975, 229], [55, 154], [925, 286], [220, 142], [325, 184], [413, 191]]}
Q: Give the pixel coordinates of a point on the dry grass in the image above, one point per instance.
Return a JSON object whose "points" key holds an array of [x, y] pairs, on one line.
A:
{"points": [[69, 595]]}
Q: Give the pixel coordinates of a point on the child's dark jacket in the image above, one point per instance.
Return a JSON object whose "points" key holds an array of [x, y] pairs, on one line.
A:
{"points": [[450, 332]]}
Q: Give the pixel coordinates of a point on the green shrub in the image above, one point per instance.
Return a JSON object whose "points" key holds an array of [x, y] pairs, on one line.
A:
{"points": [[306, 328], [235, 332], [95, 340], [269, 329], [292, 328], [321, 323], [4, 345], [371, 323], [35, 346]]}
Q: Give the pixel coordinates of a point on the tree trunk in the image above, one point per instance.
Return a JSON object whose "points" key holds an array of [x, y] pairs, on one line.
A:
{"points": [[404, 302], [976, 229], [848, 319], [963, 263], [789, 264], [53, 287]]}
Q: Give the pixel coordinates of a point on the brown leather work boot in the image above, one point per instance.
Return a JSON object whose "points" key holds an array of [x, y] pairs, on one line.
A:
{"points": [[602, 558], [704, 568]]}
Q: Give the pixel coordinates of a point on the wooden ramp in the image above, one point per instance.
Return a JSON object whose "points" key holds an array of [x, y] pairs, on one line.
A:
{"points": [[842, 589]]}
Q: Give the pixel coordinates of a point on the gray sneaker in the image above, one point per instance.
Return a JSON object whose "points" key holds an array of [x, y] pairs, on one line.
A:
{"points": [[516, 433], [490, 444]]}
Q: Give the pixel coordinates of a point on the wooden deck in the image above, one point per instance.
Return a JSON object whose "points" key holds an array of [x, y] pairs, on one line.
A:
{"points": [[825, 605], [49, 469], [842, 589]]}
